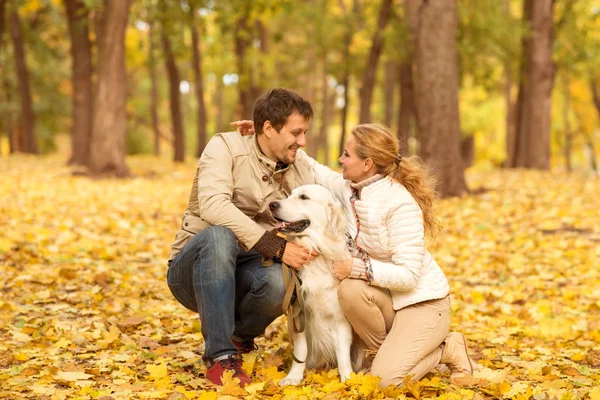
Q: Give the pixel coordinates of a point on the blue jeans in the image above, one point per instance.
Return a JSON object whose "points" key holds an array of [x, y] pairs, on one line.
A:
{"points": [[230, 288]]}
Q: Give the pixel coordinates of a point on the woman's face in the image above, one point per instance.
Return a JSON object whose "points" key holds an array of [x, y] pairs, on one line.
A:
{"points": [[354, 168]]}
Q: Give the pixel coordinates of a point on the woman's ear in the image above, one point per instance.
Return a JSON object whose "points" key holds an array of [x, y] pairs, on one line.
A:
{"points": [[368, 165]]}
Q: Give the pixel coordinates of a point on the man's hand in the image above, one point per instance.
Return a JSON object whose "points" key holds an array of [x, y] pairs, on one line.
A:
{"points": [[296, 256], [342, 268], [244, 127]]}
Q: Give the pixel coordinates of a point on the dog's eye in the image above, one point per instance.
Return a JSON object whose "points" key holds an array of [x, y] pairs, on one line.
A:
{"points": [[304, 197]]}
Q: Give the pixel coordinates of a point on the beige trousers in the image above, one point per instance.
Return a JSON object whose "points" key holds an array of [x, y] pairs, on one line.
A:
{"points": [[408, 341]]}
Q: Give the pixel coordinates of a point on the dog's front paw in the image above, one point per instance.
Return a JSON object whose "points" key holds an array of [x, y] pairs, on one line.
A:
{"points": [[290, 381], [344, 377]]}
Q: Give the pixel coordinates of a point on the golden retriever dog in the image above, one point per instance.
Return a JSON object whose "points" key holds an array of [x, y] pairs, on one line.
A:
{"points": [[312, 218]]}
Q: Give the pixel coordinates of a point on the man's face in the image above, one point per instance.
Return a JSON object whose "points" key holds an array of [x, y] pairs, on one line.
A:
{"points": [[289, 139]]}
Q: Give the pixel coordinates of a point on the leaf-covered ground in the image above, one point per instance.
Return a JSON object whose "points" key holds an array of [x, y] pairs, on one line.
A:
{"points": [[85, 311]]}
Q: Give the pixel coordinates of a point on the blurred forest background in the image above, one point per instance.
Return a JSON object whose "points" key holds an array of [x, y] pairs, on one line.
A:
{"points": [[497, 83]]}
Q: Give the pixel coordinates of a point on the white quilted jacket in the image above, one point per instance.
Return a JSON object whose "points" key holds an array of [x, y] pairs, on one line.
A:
{"points": [[391, 232]]}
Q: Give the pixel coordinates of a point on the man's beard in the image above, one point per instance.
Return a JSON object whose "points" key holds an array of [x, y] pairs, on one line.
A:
{"points": [[286, 158]]}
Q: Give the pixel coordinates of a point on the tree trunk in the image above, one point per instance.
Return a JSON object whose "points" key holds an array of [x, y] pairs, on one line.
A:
{"points": [[391, 71], [592, 151], [346, 71], [309, 79], [81, 53], [407, 114], [407, 106], [322, 142], [107, 151], [242, 43], [7, 115], [595, 95], [219, 103], [174, 99], [567, 123], [532, 148], [27, 123], [153, 92], [346, 85], [258, 86], [511, 106], [199, 87], [368, 78], [467, 151], [437, 92], [589, 141], [511, 114]]}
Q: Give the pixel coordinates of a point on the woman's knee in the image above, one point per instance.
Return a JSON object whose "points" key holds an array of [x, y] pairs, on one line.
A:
{"points": [[387, 375], [350, 292]]}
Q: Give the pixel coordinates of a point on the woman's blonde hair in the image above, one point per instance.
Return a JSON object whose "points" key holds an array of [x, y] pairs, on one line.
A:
{"points": [[377, 142]]}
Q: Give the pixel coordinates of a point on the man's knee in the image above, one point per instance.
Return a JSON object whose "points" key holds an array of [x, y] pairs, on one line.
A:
{"points": [[218, 235], [270, 288], [218, 240]]}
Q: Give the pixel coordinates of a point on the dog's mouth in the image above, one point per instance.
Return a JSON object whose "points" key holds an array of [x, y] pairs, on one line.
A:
{"points": [[296, 227]]}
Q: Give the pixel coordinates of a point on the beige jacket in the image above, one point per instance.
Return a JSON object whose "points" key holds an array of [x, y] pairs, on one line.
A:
{"points": [[233, 186]]}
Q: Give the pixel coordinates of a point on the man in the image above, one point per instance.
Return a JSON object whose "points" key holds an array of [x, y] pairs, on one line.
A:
{"points": [[219, 262]]}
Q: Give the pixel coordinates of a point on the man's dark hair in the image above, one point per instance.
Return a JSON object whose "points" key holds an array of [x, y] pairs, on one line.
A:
{"points": [[276, 106]]}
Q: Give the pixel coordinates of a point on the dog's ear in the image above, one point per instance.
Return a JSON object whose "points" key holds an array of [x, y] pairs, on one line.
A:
{"points": [[335, 219]]}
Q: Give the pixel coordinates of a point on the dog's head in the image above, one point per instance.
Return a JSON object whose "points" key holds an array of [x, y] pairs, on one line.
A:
{"points": [[310, 211]]}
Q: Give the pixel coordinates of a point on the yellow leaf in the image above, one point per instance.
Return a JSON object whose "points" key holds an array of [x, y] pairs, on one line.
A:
{"points": [[204, 395], [368, 385], [189, 394], [5, 245], [333, 386], [255, 387], [249, 361], [594, 393], [578, 357], [62, 343], [21, 357], [157, 371], [71, 376], [555, 384]]}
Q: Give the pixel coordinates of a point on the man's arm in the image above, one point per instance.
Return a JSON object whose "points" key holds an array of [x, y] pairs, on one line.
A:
{"points": [[215, 190]]}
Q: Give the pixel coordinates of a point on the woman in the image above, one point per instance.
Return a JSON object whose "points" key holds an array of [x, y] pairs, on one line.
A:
{"points": [[392, 291]]}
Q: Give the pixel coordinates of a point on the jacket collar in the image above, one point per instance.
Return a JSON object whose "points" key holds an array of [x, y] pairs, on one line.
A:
{"points": [[264, 161], [359, 185]]}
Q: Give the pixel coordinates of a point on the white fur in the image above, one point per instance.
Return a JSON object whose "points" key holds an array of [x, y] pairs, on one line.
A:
{"points": [[327, 338]]}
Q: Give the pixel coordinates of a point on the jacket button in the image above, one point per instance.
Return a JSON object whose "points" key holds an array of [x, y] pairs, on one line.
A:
{"points": [[265, 178]]}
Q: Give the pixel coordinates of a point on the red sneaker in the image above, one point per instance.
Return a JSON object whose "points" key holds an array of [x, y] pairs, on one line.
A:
{"points": [[245, 347], [233, 362]]}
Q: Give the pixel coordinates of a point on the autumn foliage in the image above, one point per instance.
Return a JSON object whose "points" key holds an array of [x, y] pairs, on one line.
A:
{"points": [[85, 312]]}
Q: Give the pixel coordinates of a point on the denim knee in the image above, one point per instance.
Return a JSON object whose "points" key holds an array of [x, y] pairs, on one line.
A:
{"points": [[219, 239], [270, 288]]}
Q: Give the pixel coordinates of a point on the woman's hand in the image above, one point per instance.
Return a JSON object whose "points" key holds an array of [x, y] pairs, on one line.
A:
{"points": [[296, 256], [244, 127], [342, 268]]}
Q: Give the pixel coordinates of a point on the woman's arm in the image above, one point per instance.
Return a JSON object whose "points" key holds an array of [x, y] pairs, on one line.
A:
{"points": [[325, 176]]}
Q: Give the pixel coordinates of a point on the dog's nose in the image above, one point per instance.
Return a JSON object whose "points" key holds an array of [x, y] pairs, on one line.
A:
{"points": [[274, 205]]}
